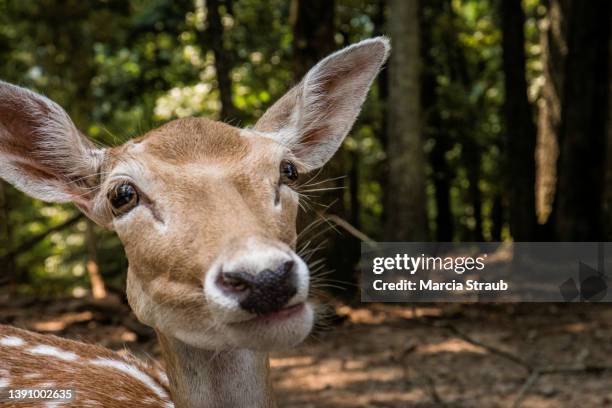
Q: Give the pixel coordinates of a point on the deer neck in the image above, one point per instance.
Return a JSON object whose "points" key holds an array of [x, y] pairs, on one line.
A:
{"points": [[211, 379]]}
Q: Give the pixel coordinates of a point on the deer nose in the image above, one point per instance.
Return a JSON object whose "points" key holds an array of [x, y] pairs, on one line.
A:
{"points": [[262, 293]]}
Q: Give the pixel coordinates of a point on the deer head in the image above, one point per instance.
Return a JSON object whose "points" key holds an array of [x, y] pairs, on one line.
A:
{"points": [[206, 211]]}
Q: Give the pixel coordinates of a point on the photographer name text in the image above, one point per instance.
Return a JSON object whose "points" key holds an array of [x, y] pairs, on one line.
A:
{"points": [[412, 265], [430, 285]]}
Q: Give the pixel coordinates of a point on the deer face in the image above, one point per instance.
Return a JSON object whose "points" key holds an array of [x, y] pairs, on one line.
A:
{"points": [[217, 267], [206, 211]]}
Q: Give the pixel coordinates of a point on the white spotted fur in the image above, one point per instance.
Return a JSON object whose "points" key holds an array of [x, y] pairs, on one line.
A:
{"points": [[45, 350], [11, 341]]}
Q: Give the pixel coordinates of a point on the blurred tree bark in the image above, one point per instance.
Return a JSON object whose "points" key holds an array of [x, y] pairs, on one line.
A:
{"points": [[519, 125], [313, 33], [464, 125], [405, 206], [223, 62], [354, 184], [497, 217], [472, 159], [608, 183], [382, 81], [441, 174], [98, 288], [554, 52], [584, 110], [433, 123]]}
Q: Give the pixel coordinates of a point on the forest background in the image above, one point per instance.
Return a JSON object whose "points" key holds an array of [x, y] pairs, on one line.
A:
{"points": [[490, 122]]}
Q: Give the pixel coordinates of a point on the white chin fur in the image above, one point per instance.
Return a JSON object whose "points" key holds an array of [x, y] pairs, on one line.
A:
{"points": [[274, 335], [268, 336]]}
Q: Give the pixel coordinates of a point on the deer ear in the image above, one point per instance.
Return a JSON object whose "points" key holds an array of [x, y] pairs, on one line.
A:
{"points": [[41, 151], [314, 117]]}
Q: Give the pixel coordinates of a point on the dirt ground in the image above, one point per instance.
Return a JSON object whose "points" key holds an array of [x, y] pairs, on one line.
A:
{"points": [[398, 356]]}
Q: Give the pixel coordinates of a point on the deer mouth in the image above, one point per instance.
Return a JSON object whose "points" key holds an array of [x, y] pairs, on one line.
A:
{"points": [[275, 317], [277, 330]]}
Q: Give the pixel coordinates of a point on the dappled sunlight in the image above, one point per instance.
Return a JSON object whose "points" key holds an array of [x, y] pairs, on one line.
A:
{"points": [[450, 346], [62, 322], [333, 373], [187, 101], [377, 313], [580, 327], [282, 362]]}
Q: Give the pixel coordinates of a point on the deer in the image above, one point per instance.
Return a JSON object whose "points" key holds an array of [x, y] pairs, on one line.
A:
{"points": [[206, 213]]}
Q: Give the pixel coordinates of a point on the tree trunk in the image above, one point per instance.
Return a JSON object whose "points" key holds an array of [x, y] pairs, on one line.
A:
{"points": [[497, 218], [519, 125], [354, 183], [405, 207], [313, 33], [382, 81], [472, 165], [442, 184], [608, 183], [98, 289], [442, 174], [223, 64], [583, 122], [554, 53]]}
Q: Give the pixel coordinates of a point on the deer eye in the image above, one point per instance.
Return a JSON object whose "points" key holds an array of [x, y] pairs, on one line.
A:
{"points": [[288, 172], [123, 198]]}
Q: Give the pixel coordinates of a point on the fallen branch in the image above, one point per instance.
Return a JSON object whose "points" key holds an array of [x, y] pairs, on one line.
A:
{"points": [[527, 385], [490, 348], [344, 224], [32, 242], [541, 371]]}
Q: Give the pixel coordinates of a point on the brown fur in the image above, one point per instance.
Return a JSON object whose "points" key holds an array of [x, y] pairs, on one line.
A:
{"points": [[231, 203]]}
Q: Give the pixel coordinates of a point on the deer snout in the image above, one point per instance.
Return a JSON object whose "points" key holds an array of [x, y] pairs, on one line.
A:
{"points": [[255, 277], [266, 291]]}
